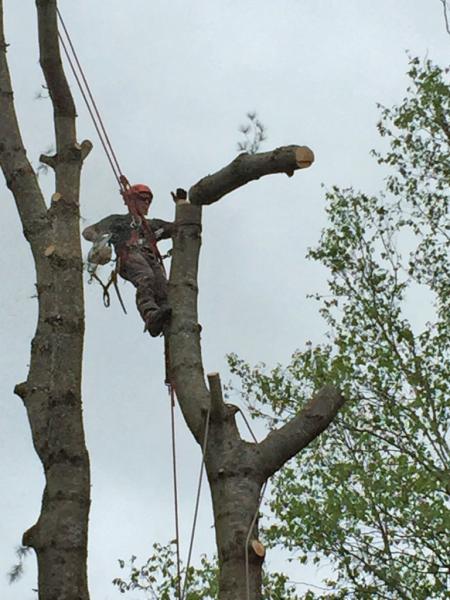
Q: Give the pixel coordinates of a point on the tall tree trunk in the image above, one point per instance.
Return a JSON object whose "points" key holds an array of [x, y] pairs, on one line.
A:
{"points": [[52, 391], [236, 469], [235, 488]]}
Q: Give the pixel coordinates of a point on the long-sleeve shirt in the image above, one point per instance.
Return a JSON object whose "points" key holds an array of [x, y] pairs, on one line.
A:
{"points": [[119, 231]]}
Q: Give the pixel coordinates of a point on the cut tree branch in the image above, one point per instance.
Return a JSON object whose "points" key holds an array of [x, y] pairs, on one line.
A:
{"points": [[236, 469], [217, 403], [49, 160], [249, 167], [284, 443], [183, 333]]}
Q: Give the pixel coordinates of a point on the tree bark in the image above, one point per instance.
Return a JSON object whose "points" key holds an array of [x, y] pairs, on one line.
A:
{"points": [[236, 469], [52, 391]]}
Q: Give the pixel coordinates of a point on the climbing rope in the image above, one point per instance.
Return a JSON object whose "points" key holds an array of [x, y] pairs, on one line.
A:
{"points": [[175, 488], [247, 541], [80, 78], [255, 516], [100, 128], [91, 105], [197, 503]]}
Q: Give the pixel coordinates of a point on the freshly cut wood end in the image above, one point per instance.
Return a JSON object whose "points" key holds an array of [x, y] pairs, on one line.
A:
{"points": [[304, 157], [56, 197], [86, 147], [258, 548], [49, 250]]}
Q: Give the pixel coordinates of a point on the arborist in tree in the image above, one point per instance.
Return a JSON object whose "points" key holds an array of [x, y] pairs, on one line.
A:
{"points": [[134, 239]]}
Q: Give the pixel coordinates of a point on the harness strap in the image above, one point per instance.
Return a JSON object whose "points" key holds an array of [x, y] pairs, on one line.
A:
{"points": [[106, 295]]}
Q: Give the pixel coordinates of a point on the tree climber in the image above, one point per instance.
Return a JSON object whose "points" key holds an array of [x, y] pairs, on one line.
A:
{"points": [[134, 239]]}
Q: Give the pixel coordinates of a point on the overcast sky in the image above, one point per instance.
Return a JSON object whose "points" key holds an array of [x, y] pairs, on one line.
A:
{"points": [[174, 80]]}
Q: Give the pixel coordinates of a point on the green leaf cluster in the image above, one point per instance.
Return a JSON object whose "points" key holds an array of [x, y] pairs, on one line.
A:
{"points": [[158, 579], [371, 495]]}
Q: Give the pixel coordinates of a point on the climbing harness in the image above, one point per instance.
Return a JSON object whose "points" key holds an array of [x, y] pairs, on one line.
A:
{"points": [[127, 191]]}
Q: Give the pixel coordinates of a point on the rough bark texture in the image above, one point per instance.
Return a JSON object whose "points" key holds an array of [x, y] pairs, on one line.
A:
{"points": [[249, 167], [52, 391], [236, 469]]}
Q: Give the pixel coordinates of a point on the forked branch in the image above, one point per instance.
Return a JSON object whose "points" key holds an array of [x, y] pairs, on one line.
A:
{"points": [[284, 443]]}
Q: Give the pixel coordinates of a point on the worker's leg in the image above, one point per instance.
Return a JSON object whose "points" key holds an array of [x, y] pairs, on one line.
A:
{"points": [[150, 291], [161, 286]]}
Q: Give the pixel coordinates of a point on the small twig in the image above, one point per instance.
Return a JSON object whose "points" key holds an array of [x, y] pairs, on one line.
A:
{"points": [[445, 9]]}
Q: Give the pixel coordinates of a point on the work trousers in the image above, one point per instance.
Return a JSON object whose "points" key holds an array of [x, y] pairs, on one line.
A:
{"points": [[140, 266]]}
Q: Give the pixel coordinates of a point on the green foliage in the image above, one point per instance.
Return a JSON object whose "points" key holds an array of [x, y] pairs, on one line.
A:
{"points": [[157, 578], [371, 495]]}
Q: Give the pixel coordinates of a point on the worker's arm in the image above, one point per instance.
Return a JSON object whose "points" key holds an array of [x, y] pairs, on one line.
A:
{"points": [[103, 227], [100, 235], [163, 230]]}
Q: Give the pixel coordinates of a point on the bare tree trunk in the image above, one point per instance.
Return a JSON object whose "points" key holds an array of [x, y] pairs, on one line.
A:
{"points": [[235, 488], [52, 391], [236, 469]]}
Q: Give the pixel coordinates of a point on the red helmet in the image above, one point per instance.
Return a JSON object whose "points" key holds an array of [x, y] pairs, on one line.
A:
{"points": [[136, 192], [140, 188]]}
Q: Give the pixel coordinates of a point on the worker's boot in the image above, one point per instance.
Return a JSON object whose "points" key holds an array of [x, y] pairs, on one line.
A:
{"points": [[157, 319]]}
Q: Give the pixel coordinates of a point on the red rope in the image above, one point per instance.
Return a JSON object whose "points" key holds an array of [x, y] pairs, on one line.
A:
{"points": [[89, 99], [124, 185]]}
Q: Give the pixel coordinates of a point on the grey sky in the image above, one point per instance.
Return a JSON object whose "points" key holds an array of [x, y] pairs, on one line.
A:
{"points": [[174, 81]]}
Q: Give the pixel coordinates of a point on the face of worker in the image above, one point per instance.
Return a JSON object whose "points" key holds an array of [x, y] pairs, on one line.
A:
{"points": [[143, 203]]}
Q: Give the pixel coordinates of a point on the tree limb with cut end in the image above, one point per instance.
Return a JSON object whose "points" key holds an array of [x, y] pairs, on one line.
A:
{"points": [[250, 167], [236, 468]]}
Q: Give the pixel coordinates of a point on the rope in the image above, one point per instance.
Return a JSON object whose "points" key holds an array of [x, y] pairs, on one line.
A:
{"points": [[197, 502], [175, 489], [123, 184], [105, 133], [89, 99], [255, 516], [248, 425], [247, 541]]}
